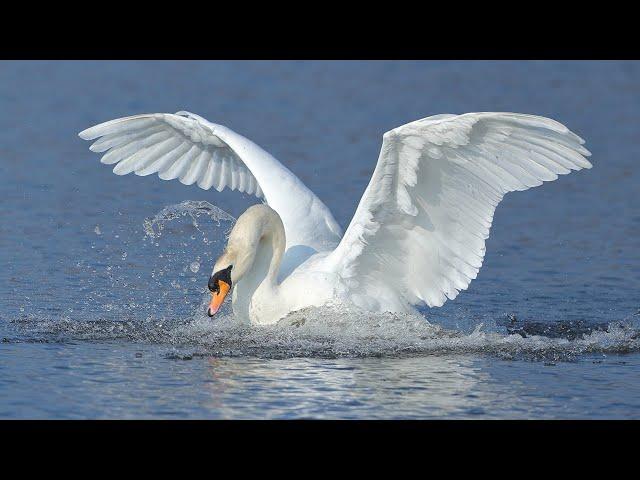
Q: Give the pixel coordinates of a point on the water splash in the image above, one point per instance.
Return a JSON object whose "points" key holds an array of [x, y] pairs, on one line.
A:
{"points": [[192, 208], [123, 276], [329, 333]]}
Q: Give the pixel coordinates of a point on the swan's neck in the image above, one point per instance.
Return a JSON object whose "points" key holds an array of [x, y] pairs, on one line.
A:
{"points": [[265, 238], [269, 253]]}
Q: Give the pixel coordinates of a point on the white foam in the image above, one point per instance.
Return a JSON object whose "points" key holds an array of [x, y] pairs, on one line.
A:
{"points": [[342, 331], [329, 332]]}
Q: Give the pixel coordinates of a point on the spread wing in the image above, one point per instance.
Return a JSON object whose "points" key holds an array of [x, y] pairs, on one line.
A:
{"points": [[418, 234], [189, 148], [178, 146]]}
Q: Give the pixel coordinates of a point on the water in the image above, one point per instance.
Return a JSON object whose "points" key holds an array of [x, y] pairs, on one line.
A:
{"points": [[103, 290]]}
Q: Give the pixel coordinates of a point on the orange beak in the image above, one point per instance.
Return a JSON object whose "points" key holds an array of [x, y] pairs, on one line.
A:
{"points": [[218, 298]]}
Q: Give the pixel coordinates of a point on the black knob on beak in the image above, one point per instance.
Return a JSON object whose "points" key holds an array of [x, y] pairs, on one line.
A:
{"points": [[213, 284]]}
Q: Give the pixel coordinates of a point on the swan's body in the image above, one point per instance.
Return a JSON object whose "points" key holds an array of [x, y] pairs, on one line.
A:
{"points": [[418, 234]]}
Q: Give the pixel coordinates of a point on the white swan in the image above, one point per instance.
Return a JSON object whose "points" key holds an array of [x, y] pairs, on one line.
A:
{"points": [[418, 234]]}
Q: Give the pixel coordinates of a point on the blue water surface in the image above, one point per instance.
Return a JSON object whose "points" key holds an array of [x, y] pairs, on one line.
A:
{"points": [[102, 316]]}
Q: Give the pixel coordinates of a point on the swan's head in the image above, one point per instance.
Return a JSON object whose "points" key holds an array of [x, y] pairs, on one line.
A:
{"points": [[219, 285], [229, 268]]}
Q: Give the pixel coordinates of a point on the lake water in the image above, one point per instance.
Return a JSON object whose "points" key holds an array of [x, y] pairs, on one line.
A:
{"points": [[102, 293]]}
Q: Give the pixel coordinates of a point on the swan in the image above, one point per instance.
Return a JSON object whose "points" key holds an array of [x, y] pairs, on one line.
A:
{"points": [[418, 234]]}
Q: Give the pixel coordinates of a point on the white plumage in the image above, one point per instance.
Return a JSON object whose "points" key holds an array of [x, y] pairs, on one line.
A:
{"points": [[418, 234], [182, 146]]}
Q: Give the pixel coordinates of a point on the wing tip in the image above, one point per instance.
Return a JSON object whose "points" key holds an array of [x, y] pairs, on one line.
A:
{"points": [[86, 134], [99, 129]]}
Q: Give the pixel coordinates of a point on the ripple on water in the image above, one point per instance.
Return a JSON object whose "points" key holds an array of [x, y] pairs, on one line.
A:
{"points": [[330, 332]]}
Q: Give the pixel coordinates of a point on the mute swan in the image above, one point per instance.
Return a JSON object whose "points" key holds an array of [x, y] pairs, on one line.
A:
{"points": [[417, 236]]}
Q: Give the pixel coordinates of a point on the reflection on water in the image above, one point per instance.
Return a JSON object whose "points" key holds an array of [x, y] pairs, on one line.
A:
{"points": [[112, 379], [307, 388], [248, 388], [435, 386]]}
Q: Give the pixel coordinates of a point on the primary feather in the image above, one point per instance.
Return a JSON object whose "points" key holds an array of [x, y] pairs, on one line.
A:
{"points": [[418, 234], [175, 146]]}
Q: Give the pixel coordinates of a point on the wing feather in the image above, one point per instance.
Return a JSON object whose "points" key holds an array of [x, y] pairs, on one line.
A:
{"points": [[195, 168], [181, 165], [180, 146], [418, 234], [119, 126], [117, 139], [130, 148], [207, 178]]}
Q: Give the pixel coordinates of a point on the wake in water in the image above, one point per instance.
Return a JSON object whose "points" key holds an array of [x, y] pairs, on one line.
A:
{"points": [[148, 296], [330, 332]]}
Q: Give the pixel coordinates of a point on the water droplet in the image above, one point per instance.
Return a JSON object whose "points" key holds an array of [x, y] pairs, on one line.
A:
{"points": [[195, 266], [97, 230]]}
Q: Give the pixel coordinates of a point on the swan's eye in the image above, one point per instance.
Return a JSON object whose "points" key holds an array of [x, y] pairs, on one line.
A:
{"points": [[213, 285], [224, 275]]}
